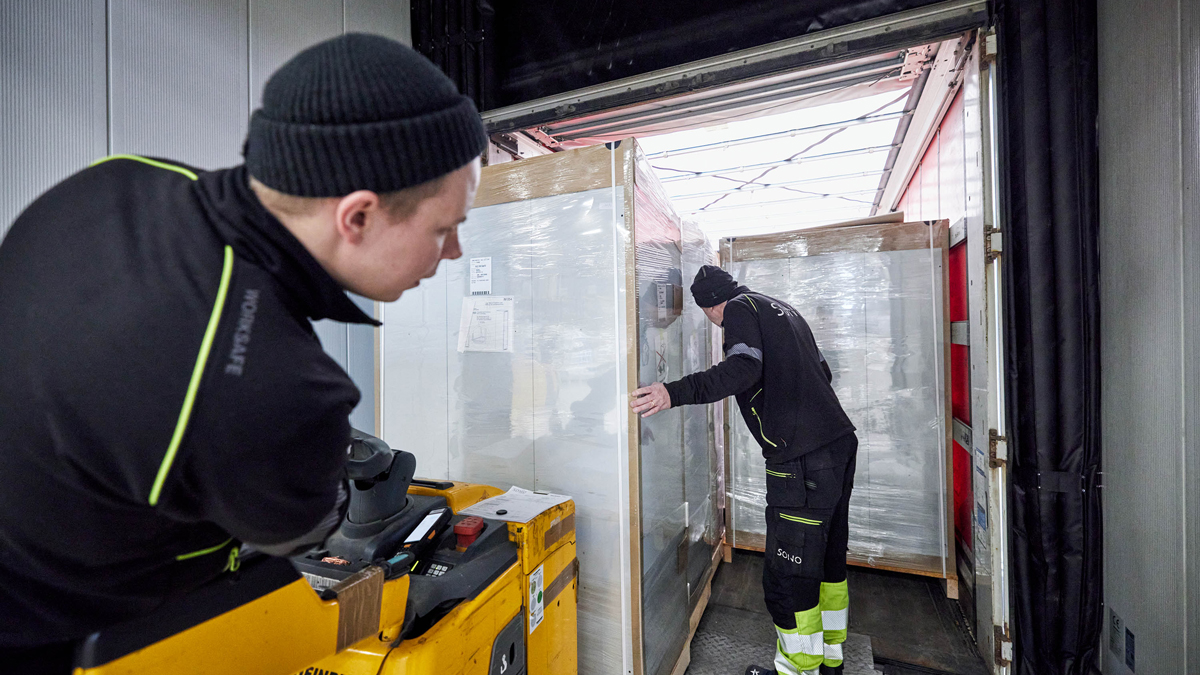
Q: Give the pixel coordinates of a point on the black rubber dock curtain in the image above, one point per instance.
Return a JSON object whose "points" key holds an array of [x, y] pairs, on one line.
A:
{"points": [[1049, 177]]}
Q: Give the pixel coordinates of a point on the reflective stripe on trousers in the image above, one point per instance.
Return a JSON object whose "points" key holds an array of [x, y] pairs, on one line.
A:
{"points": [[818, 635], [835, 618], [800, 649]]}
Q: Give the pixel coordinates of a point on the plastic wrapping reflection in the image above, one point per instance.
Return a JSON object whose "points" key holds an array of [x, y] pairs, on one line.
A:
{"points": [[878, 320], [551, 412], [699, 422], [659, 249], [543, 416]]}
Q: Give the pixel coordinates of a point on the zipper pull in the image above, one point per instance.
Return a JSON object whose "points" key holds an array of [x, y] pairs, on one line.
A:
{"points": [[233, 563]]}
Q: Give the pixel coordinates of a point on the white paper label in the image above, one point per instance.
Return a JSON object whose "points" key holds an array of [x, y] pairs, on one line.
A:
{"points": [[535, 599], [481, 276], [518, 505], [486, 324]]}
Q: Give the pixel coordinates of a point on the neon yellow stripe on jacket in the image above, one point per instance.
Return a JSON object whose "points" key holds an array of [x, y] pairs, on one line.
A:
{"points": [[189, 399], [151, 162]]}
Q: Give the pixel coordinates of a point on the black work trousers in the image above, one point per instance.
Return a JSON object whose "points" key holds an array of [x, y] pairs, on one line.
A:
{"points": [[804, 568]]}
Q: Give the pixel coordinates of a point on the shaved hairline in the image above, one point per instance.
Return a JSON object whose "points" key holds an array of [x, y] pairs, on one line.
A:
{"points": [[399, 204]]}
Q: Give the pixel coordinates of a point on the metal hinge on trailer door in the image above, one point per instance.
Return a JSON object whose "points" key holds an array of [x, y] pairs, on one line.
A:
{"points": [[997, 449], [1003, 643], [994, 240], [990, 47]]}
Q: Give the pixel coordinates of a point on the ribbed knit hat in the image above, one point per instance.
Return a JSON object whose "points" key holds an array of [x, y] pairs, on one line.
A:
{"points": [[713, 285], [359, 112]]}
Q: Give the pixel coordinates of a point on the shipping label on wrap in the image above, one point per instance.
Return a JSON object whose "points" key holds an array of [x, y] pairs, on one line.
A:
{"points": [[536, 589], [486, 324], [481, 276]]}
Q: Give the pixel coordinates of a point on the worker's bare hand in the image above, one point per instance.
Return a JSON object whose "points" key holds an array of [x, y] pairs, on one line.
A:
{"points": [[651, 399]]}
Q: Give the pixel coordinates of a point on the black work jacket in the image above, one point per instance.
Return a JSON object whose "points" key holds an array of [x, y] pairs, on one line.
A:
{"points": [[162, 393], [777, 374]]}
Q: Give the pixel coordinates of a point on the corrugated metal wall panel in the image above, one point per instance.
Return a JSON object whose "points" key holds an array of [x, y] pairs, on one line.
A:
{"points": [[279, 29], [390, 18], [52, 96], [1189, 78], [179, 73], [1143, 314]]}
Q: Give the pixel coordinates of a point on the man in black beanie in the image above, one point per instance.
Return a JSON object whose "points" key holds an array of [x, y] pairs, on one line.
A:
{"points": [[783, 387], [164, 398]]}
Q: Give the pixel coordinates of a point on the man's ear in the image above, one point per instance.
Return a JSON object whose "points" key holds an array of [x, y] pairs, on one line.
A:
{"points": [[351, 215]]}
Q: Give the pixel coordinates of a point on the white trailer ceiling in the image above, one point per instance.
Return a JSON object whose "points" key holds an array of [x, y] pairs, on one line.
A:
{"points": [[808, 167], [809, 147]]}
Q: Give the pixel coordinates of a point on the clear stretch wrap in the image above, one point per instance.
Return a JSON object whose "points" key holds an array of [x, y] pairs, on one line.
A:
{"points": [[589, 251], [659, 250], [704, 473], [878, 317]]}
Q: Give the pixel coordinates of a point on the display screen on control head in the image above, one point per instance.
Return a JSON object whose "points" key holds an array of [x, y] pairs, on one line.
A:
{"points": [[423, 529]]}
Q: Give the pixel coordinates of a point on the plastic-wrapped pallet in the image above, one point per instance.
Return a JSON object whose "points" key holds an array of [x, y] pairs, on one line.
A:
{"points": [[513, 366], [702, 425], [875, 297]]}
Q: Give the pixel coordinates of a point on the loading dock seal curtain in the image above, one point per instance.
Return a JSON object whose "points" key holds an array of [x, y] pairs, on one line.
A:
{"points": [[1049, 177]]}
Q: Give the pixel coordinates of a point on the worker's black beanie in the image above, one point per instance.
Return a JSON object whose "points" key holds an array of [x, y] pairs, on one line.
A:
{"points": [[714, 285], [359, 112]]}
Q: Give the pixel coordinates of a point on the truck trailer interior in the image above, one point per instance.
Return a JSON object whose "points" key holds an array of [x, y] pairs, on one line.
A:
{"points": [[1028, 501]]}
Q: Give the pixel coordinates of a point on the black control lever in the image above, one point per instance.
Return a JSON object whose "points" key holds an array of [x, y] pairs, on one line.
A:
{"points": [[370, 458], [379, 479]]}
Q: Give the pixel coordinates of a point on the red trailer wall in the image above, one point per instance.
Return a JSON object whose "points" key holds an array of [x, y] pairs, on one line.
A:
{"points": [[938, 190]]}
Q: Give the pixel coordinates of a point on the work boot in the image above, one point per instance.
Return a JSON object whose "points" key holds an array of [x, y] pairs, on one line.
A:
{"points": [[759, 670]]}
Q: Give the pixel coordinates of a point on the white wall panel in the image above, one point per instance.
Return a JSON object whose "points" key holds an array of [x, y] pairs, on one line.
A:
{"points": [[279, 29], [53, 104], [1189, 80], [179, 74], [1149, 332], [390, 18]]}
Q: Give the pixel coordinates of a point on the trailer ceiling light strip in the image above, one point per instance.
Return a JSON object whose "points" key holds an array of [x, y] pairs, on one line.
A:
{"points": [[801, 131], [755, 187], [807, 198], [643, 116], [691, 175], [719, 213], [822, 47]]}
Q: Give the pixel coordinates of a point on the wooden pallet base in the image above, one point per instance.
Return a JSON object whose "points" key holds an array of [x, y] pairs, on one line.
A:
{"points": [[685, 657]]}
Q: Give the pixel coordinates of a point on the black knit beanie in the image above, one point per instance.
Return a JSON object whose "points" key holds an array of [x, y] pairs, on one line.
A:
{"points": [[359, 112], [714, 285]]}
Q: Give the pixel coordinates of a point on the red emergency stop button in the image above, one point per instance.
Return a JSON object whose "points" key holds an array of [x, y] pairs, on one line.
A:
{"points": [[467, 530]]}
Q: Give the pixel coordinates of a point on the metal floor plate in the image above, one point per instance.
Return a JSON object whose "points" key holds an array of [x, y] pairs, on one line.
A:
{"points": [[729, 639]]}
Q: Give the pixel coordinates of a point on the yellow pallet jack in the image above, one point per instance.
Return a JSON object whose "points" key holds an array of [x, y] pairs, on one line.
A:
{"points": [[406, 586]]}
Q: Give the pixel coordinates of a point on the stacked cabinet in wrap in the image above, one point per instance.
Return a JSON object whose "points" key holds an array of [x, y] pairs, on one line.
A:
{"points": [[581, 260], [875, 296]]}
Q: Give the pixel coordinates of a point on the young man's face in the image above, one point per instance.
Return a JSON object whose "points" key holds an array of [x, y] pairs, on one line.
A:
{"points": [[395, 254]]}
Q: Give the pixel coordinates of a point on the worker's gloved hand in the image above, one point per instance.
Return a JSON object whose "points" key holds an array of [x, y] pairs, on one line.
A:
{"points": [[651, 399]]}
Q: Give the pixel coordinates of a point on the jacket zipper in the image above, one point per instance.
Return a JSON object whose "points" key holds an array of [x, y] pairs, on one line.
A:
{"points": [[760, 423], [760, 428], [204, 551], [232, 562]]}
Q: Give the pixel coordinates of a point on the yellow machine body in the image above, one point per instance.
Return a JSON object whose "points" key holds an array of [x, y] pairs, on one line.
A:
{"points": [[292, 630]]}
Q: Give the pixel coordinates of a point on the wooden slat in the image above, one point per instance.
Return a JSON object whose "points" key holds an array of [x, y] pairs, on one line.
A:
{"points": [[548, 175], [626, 173], [819, 241]]}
